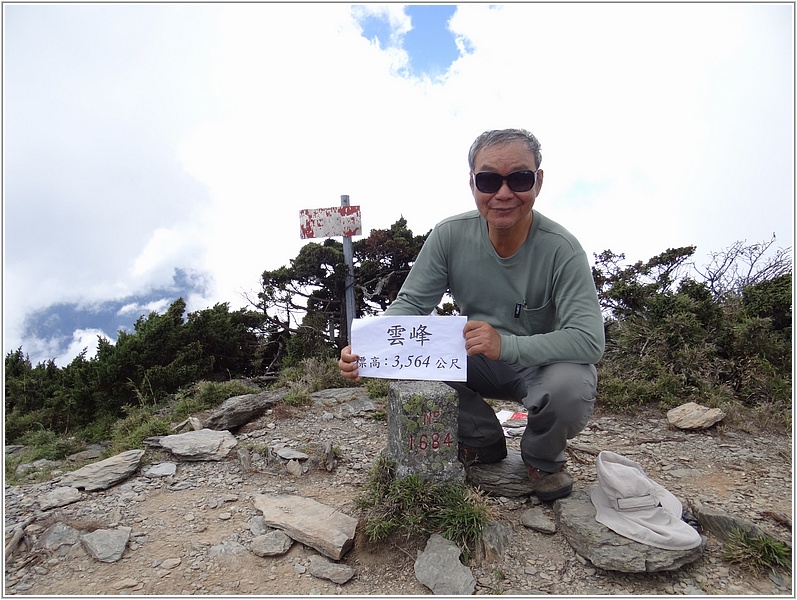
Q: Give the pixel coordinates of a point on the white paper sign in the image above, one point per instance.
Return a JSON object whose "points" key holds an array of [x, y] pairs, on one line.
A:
{"points": [[411, 347]]}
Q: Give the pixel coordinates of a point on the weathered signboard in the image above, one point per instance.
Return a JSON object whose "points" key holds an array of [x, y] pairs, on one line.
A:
{"points": [[330, 222], [343, 220]]}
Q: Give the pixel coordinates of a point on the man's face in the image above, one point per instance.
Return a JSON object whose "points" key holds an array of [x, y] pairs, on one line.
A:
{"points": [[505, 209]]}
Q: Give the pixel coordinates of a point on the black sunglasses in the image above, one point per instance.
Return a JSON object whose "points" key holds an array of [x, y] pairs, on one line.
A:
{"points": [[488, 182]]}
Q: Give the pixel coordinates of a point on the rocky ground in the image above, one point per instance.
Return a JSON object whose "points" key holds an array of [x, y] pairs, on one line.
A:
{"points": [[184, 527]]}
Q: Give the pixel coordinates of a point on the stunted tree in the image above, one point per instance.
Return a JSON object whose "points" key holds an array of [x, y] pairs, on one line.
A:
{"points": [[164, 353], [672, 338], [313, 283], [626, 290], [385, 258], [307, 297]]}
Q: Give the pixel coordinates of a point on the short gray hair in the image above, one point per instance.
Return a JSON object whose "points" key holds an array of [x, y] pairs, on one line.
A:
{"points": [[505, 136]]}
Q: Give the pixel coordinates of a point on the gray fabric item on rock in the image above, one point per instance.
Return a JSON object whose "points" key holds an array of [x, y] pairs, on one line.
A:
{"points": [[636, 507]]}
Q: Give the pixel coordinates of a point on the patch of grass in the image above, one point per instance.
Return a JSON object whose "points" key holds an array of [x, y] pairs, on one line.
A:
{"points": [[297, 396], [500, 576], [255, 446], [376, 388], [44, 443], [18, 423], [99, 430], [37, 475], [414, 506], [139, 423], [756, 553], [39, 444], [313, 374]]}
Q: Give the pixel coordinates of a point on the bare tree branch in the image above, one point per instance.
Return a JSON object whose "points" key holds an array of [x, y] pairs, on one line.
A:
{"points": [[742, 264]]}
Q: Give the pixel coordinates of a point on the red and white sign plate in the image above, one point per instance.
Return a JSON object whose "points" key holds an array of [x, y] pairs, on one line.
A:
{"points": [[330, 222]]}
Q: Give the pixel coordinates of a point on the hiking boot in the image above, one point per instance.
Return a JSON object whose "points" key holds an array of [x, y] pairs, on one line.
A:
{"points": [[491, 453], [550, 486]]}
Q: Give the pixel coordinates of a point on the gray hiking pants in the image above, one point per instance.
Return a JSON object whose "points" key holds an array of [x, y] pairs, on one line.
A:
{"points": [[559, 397]]}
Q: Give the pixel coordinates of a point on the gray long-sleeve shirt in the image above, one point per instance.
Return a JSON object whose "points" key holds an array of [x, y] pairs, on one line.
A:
{"points": [[542, 300]]}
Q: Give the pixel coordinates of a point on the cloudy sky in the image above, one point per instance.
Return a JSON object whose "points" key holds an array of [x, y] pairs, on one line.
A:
{"points": [[152, 151]]}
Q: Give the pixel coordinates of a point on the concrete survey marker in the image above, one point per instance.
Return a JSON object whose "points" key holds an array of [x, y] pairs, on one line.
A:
{"points": [[422, 430]]}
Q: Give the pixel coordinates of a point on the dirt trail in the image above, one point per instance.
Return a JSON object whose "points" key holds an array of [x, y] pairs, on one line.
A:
{"points": [[196, 540]]}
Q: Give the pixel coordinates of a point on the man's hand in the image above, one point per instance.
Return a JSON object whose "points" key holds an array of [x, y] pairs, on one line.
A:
{"points": [[348, 364], [481, 338]]}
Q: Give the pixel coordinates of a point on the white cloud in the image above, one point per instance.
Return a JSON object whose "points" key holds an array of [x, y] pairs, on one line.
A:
{"points": [[144, 138], [61, 349], [167, 248], [134, 308], [82, 339]]}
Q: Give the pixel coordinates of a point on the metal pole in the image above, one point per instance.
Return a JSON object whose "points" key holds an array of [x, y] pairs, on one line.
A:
{"points": [[348, 257]]}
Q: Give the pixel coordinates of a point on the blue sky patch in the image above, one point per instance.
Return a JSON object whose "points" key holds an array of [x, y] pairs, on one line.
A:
{"points": [[376, 27], [429, 44]]}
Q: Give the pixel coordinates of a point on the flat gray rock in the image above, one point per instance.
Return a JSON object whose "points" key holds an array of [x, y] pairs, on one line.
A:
{"points": [[60, 496], [608, 550], [694, 416], [273, 543], [56, 535], [495, 540], [164, 469], [239, 410], [291, 454], [438, 568], [317, 525], [105, 473], [324, 568], [508, 477], [90, 453], [722, 524], [356, 406], [536, 519], [106, 545], [332, 396], [227, 549], [205, 444]]}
